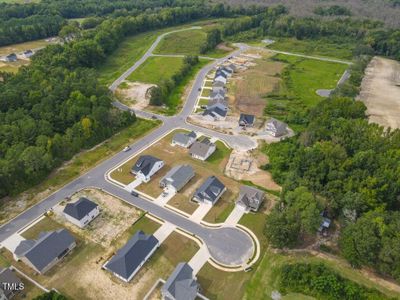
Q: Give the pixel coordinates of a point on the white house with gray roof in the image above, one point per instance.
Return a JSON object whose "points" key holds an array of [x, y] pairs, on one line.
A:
{"points": [[181, 284], [46, 251], [177, 178], [250, 198], [184, 139], [81, 212], [202, 149], [130, 258], [146, 166], [276, 128], [210, 191]]}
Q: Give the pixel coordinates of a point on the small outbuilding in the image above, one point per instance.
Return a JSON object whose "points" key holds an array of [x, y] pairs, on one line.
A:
{"points": [[181, 284], [81, 212], [210, 191], [130, 258]]}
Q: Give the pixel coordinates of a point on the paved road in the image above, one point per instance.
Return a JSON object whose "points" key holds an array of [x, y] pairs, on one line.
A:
{"points": [[228, 245]]}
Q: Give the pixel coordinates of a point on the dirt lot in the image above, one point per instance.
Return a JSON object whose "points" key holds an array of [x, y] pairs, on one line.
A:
{"points": [[246, 166], [380, 91], [134, 94], [114, 219]]}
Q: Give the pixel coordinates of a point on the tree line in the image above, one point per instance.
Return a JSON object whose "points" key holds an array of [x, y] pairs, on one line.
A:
{"points": [[213, 38], [159, 94]]}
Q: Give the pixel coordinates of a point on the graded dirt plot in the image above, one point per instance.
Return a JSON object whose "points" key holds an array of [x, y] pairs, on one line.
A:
{"points": [[380, 91], [114, 219], [215, 165], [251, 85], [134, 94]]}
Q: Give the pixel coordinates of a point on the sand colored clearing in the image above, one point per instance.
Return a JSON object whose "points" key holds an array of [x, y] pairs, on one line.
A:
{"points": [[135, 94], [380, 91]]}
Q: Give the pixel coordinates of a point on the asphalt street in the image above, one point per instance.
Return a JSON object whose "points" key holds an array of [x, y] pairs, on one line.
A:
{"points": [[228, 245]]}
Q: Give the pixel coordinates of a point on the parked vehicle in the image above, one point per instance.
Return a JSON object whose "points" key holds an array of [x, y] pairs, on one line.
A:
{"points": [[133, 193], [126, 149]]}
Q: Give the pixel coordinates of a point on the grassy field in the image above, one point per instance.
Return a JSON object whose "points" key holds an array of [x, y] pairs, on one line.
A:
{"points": [[156, 69], [5, 50], [301, 79], [77, 166], [215, 165], [322, 47]]}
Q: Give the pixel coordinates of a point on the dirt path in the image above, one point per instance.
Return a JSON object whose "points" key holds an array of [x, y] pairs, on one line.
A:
{"points": [[380, 91]]}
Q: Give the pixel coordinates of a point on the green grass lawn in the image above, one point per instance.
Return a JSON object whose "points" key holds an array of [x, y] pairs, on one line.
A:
{"points": [[46, 224], [323, 47], [156, 69], [80, 164], [184, 42], [301, 79]]}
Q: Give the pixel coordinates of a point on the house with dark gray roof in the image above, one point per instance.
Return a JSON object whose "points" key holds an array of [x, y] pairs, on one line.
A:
{"points": [[81, 212], [46, 251], [28, 53], [216, 112], [246, 120], [146, 166], [210, 191], [276, 128], [217, 94], [184, 139], [202, 149], [218, 84], [130, 258], [11, 57], [177, 178], [221, 77], [227, 71], [10, 284], [181, 284], [250, 198]]}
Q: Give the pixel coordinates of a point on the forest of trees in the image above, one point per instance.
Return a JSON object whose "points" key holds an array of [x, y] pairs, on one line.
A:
{"points": [[212, 40], [334, 10]]}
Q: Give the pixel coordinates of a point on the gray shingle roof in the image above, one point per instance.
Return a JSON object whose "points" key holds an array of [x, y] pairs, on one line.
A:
{"points": [[250, 197], [246, 119], [80, 208], [144, 164], [278, 126], [183, 138], [181, 285], [210, 190], [130, 256], [201, 148], [178, 176], [49, 246], [217, 109]]}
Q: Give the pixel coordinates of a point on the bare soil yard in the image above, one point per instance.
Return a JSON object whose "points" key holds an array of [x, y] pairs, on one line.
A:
{"points": [[380, 91], [134, 94]]}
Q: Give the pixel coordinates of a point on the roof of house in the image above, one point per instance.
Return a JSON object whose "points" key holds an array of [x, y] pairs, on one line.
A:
{"points": [[216, 109], [220, 93], [211, 189], [144, 164], [278, 125], [80, 208], [220, 73], [8, 276], [46, 248], [178, 176], [11, 55], [184, 138], [250, 196], [180, 284], [218, 84], [132, 254], [225, 69], [247, 119], [201, 148]]}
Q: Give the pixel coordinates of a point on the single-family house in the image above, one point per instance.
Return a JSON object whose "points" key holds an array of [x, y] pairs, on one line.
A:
{"points": [[216, 112], [218, 89], [10, 284], [228, 72], [246, 120], [184, 139], [81, 212], [218, 84], [210, 191], [146, 166], [250, 198], [202, 149], [45, 252], [130, 258], [276, 128], [177, 178], [231, 67], [11, 57], [212, 102], [221, 77], [217, 94], [181, 284], [28, 53]]}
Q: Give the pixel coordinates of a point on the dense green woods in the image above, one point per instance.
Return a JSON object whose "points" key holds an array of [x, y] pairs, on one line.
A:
{"points": [[319, 281]]}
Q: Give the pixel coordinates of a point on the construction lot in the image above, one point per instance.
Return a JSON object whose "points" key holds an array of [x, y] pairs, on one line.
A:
{"points": [[96, 243], [380, 91]]}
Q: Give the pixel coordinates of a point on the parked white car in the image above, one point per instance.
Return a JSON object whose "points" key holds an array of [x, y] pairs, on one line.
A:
{"points": [[126, 149]]}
